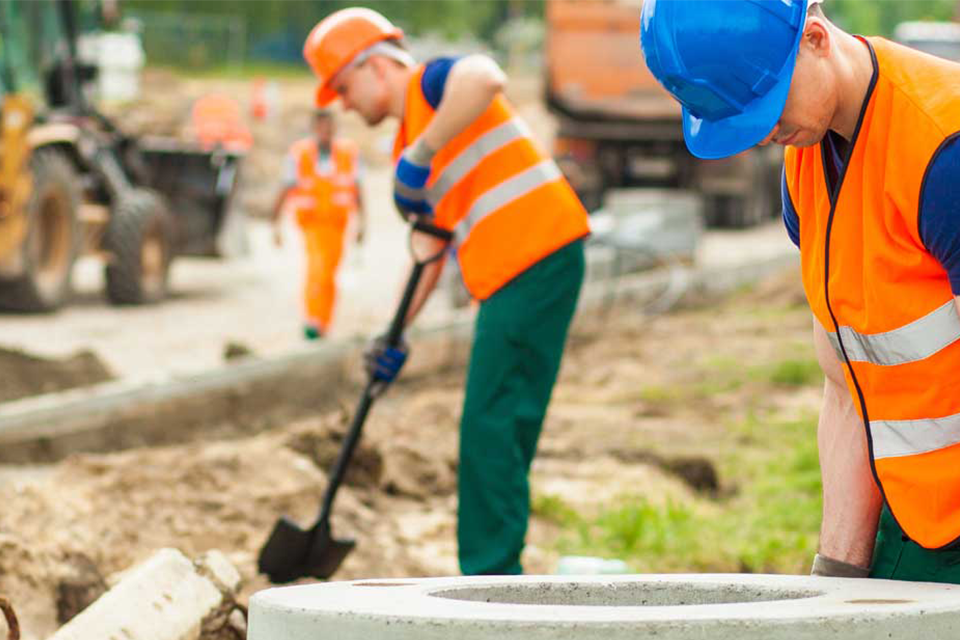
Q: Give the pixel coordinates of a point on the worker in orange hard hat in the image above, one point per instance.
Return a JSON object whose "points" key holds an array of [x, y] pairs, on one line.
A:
{"points": [[321, 183], [466, 163]]}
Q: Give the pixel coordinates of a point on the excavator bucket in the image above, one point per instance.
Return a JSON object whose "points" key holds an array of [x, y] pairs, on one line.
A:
{"points": [[199, 186]]}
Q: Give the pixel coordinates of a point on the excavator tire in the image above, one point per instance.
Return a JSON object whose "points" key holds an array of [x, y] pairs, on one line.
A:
{"points": [[139, 241], [52, 240]]}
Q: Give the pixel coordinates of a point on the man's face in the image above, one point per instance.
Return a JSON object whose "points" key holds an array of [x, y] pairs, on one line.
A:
{"points": [[811, 103], [363, 89], [323, 129]]}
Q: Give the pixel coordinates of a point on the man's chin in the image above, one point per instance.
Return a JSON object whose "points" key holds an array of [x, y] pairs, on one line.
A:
{"points": [[374, 119]]}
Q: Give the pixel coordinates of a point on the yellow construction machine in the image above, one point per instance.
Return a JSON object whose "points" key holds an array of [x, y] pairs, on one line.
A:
{"points": [[72, 183]]}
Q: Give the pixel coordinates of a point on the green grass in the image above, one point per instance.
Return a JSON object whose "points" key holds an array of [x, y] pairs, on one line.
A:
{"points": [[659, 395], [723, 375], [770, 524], [793, 372], [250, 70]]}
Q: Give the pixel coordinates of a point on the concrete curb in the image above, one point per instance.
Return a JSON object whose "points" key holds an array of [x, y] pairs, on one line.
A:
{"points": [[168, 597], [668, 607], [253, 392], [124, 414]]}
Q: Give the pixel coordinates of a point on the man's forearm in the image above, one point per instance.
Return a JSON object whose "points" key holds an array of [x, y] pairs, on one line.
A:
{"points": [[851, 500], [428, 282]]}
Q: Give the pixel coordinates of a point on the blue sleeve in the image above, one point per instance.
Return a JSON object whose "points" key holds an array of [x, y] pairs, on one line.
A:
{"points": [[939, 217], [790, 218], [435, 79]]}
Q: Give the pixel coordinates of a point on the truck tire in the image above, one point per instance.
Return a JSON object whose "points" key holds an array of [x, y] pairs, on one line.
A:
{"points": [[52, 240], [139, 241]]}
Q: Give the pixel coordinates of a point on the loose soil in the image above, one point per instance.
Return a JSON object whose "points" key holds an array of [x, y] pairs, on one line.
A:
{"points": [[22, 374], [614, 428]]}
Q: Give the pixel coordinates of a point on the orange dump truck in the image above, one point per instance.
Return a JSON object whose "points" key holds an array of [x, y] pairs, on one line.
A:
{"points": [[618, 128]]}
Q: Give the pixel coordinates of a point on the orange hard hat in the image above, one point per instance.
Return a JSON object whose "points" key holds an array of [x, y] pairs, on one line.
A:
{"points": [[338, 38]]}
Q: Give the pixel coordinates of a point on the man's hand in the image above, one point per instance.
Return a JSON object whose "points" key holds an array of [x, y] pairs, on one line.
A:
{"points": [[384, 362], [410, 180], [828, 567]]}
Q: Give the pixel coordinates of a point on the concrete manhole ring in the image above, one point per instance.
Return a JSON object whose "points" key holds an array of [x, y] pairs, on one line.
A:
{"points": [[666, 607]]}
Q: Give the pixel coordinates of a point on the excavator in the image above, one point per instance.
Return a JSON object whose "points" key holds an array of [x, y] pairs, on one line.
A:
{"points": [[72, 183]]}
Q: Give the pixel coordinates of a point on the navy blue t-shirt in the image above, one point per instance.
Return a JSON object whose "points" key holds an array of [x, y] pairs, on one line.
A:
{"points": [[939, 217], [434, 79]]}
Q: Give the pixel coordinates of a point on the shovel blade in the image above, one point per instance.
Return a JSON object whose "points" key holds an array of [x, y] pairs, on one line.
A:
{"points": [[292, 552]]}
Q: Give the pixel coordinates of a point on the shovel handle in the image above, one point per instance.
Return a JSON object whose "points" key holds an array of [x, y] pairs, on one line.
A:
{"points": [[370, 392]]}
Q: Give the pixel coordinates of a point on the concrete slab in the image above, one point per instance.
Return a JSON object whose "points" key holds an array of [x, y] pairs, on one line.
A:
{"points": [[668, 607], [168, 597]]}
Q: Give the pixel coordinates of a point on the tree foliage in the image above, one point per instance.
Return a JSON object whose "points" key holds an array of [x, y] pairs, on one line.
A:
{"points": [[293, 19], [881, 17]]}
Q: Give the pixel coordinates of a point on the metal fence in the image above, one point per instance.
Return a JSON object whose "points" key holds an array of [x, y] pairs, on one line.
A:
{"points": [[196, 40]]}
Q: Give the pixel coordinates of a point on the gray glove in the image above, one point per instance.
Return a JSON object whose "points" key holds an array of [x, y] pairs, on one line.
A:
{"points": [[828, 567]]}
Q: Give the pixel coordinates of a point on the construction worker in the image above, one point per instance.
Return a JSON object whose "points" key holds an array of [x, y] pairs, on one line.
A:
{"points": [[466, 163], [321, 183], [870, 198]]}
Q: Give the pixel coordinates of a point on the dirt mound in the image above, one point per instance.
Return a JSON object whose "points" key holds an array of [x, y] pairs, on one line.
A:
{"points": [[22, 374], [97, 515]]}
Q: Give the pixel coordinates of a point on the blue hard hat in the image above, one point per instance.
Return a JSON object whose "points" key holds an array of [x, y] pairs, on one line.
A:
{"points": [[728, 62]]}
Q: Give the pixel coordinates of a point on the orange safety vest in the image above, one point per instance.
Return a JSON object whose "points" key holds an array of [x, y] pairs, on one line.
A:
{"points": [[327, 197], [885, 302], [505, 201]]}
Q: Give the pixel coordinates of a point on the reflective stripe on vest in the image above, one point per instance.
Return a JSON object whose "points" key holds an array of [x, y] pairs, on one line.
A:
{"points": [[505, 201], [886, 301], [893, 438], [468, 159], [915, 341], [504, 193]]}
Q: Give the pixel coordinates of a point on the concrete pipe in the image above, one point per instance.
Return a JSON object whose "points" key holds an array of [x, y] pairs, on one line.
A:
{"points": [[667, 607]]}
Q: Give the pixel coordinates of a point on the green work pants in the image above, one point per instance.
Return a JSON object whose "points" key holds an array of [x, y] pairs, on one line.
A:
{"points": [[517, 346], [897, 558]]}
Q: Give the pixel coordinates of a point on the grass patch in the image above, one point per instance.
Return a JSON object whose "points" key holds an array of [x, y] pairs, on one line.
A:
{"points": [[657, 394], [247, 71], [723, 375], [771, 524], [793, 372], [553, 508]]}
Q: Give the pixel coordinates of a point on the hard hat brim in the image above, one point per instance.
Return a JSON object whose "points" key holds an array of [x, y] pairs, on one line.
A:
{"points": [[325, 95], [711, 140]]}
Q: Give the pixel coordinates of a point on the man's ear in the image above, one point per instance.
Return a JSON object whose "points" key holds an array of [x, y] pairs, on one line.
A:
{"points": [[816, 37]]}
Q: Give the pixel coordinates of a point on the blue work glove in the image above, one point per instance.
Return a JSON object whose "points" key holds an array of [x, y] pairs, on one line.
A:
{"points": [[384, 362], [410, 180]]}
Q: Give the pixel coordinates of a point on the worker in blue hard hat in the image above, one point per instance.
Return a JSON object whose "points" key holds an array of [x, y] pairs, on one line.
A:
{"points": [[870, 188]]}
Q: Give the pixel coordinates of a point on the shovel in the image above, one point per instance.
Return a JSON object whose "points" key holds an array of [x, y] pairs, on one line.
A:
{"points": [[292, 552]]}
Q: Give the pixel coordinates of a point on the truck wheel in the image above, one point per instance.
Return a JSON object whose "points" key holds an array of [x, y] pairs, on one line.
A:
{"points": [[52, 240], [139, 240]]}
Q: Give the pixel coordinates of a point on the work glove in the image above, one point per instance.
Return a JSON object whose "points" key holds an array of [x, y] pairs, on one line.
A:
{"points": [[828, 567], [410, 180], [384, 362]]}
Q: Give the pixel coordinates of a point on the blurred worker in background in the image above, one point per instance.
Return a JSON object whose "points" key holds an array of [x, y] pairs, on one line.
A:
{"points": [[321, 185]]}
